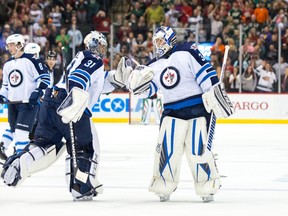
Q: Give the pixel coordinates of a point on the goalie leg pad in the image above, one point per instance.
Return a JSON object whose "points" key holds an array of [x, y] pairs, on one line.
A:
{"points": [[168, 156], [88, 165], [31, 160], [146, 112], [200, 158], [73, 106]]}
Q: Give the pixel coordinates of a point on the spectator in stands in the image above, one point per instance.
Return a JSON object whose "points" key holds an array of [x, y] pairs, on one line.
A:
{"points": [[81, 7], [102, 22], [267, 78], [280, 67], [249, 80], [56, 17], [75, 40], [171, 17], [272, 54], [218, 47], [63, 38], [235, 13], [284, 86], [93, 9], [186, 13], [261, 13], [154, 14], [216, 24]]}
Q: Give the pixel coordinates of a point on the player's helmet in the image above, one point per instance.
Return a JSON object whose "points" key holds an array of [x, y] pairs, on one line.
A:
{"points": [[32, 48], [17, 39], [96, 42], [164, 39]]}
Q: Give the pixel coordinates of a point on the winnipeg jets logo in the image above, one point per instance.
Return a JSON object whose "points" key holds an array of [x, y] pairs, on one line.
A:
{"points": [[170, 77], [15, 78]]}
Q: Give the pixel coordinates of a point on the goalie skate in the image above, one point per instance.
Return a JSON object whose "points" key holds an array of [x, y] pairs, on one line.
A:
{"points": [[209, 198], [3, 156], [164, 198]]}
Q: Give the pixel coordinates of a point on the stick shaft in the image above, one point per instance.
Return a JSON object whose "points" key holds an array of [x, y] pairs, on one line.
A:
{"points": [[223, 68]]}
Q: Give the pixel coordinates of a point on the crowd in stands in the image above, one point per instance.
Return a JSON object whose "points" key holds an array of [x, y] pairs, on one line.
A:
{"points": [[53, 23]]}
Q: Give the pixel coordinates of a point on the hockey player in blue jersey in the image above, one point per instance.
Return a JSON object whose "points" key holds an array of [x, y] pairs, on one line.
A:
{"points": [[86, 81], [24, 79], [192, 98]]}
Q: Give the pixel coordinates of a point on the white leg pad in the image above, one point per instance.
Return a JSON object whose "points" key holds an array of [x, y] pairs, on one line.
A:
{"points": [[30, 162], [200, 159], [168, 156]]}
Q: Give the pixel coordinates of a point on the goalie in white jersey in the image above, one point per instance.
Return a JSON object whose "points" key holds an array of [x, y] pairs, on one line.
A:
{"points": [[86, 81], [192, 96], [24, 79]]}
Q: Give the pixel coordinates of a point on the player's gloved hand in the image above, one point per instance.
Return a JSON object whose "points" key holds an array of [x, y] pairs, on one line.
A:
{"points": [[35, 95], [3, 99]]}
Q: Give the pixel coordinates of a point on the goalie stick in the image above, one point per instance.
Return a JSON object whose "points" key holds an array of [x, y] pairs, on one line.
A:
{"points": [[74, 166]]}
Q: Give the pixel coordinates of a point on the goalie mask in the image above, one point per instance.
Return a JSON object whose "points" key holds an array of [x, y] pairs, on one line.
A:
{"points": [[32, 48], [96, 43], [164, 39]]}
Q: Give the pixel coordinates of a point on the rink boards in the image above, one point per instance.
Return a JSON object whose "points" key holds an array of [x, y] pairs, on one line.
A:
{"points": [[249, 108]]}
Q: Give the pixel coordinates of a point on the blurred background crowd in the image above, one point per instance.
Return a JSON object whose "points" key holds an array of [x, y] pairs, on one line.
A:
{"points": [[255, 30]]}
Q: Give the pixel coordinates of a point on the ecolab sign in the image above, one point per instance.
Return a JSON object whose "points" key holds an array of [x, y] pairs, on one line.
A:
{"points": [[112, 105]]}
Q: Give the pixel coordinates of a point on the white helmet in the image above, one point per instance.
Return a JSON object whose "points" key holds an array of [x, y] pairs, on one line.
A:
{"points": [[164, 39], [17, 39], [32, 48], [93, 41]]}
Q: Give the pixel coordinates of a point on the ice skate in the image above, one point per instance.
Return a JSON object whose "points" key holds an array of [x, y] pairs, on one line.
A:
{"points": [[208, 198], [164, 198], [3, 156], [83, 198]]}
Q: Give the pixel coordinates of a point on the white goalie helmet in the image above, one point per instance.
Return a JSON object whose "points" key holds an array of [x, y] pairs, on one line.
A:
{"points": [[164, 39], [32, 48], [16, 39], [96, 42]]}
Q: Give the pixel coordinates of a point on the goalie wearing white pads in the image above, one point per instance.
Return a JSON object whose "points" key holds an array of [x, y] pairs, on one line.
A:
{"points": [[152, 104], [183, 76], [87, 80]]}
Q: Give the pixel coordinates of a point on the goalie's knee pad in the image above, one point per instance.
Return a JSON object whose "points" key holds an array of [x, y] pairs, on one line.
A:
{"points": [[200, 158], [32, 159], [168, 156], [85, 183]]}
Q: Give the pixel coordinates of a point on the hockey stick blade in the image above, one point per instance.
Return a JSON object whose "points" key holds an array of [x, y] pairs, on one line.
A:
{"points": [[15, 102]]}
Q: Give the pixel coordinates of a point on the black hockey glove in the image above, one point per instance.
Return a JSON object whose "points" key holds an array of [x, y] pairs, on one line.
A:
{"points": [[35, 95], [3, 99]]}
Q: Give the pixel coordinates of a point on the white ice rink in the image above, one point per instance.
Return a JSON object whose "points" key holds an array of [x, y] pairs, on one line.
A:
{"points": [[253, 159]]}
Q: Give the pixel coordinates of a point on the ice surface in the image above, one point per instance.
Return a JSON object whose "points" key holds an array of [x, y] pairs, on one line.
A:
{"points": [[253, 160]]}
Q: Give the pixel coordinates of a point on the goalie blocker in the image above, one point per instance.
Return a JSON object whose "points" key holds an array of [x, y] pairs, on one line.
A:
{"points": [[74, 105]]}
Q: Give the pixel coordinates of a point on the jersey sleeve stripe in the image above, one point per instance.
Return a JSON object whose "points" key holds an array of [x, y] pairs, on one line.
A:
{"points": [[207, 76], [78, 80], [206, 66], [84, 73]]}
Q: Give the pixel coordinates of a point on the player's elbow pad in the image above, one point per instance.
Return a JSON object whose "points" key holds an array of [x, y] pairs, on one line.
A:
{"points": [[217, 100]]}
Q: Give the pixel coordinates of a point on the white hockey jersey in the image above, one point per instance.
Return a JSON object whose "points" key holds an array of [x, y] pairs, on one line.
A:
{"points": [[86, 71], [21, 76], [182, 77]]}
